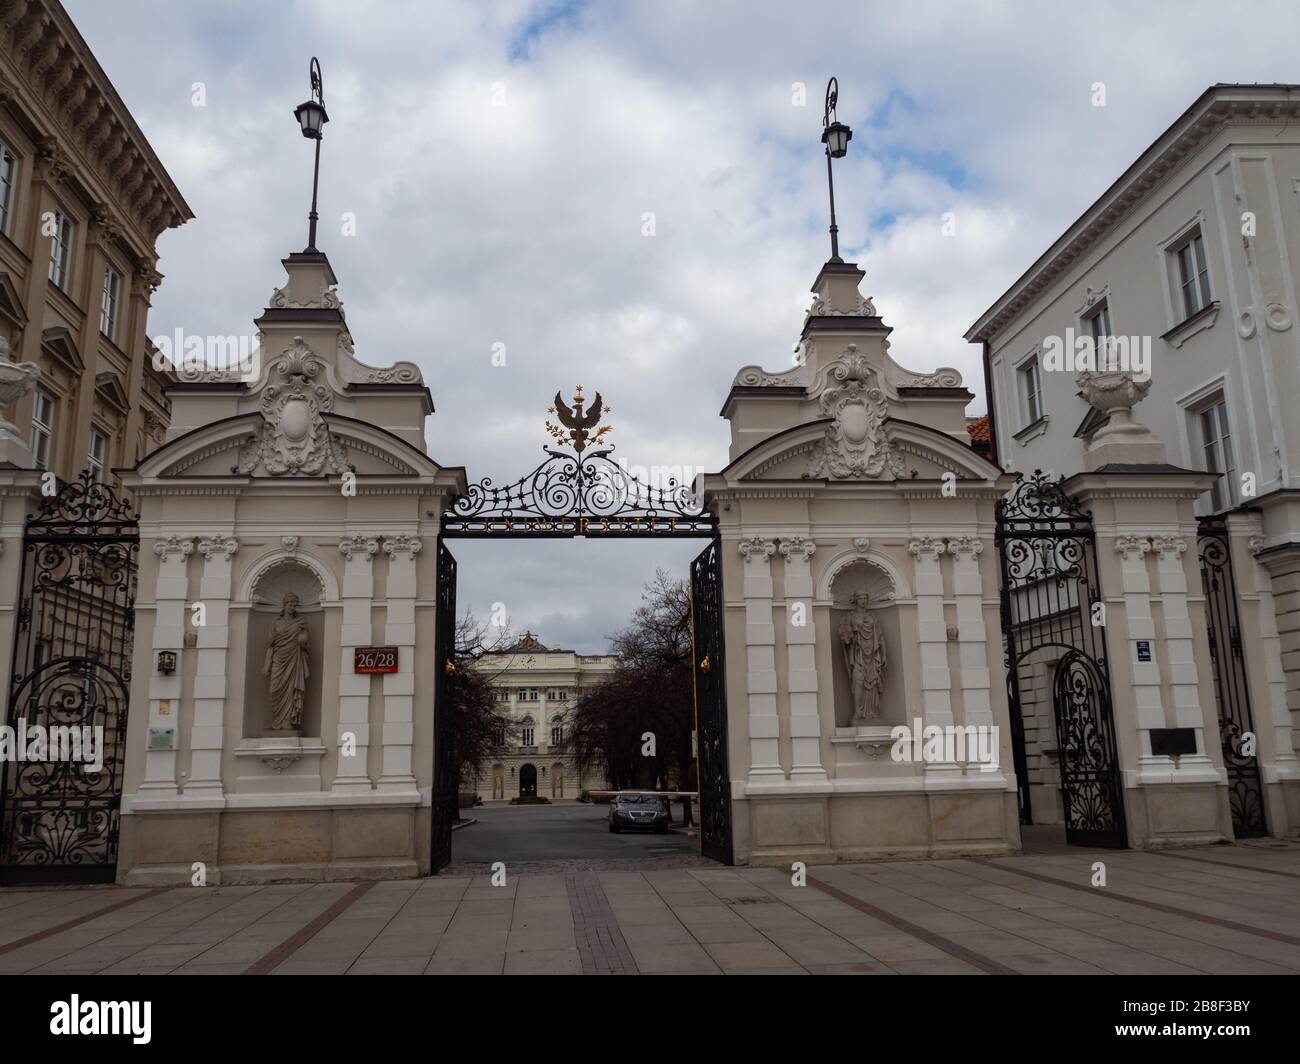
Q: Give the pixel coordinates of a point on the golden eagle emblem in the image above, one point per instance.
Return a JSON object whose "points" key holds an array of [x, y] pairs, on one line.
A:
{"points": [[577, 425]]}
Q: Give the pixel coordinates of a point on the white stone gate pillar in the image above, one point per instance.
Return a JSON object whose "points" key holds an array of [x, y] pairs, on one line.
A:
{"points": [[170, 597], [399, 686], [358, 594], [801, 659], [760, 658], [1143, 676], [972, 634], [207, 735]]}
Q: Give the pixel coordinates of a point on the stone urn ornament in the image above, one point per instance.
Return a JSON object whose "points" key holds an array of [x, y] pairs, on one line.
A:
{"points": [[16, 380], [1113, 393]]}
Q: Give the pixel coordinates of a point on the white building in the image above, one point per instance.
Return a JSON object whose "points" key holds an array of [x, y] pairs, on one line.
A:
{"points": [[1188, 262], [539, 684]]}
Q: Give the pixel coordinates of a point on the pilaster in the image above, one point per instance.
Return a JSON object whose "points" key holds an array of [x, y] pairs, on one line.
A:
{"points": [[207, 733], [932, 636], [399, 687], [354, 689], [163, 733], [760, 659], [801, 663]]}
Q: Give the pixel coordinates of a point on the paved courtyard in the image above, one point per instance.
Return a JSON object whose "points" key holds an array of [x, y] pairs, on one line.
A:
{"points": [[1215, 909]]}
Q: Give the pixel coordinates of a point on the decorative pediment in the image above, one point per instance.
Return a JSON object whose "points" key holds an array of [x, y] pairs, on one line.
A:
{"points": [[11, 304], [108, 387], [215, 450], [57, 342]]}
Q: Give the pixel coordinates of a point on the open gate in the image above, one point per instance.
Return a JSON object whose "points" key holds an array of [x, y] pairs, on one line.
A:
{"points": [[1245, 786], [70, 684], [1050, 589], [580, 491], [711, 704]]}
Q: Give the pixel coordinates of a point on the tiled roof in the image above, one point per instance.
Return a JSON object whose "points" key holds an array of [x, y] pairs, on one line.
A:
{"points": [[978, 427]]}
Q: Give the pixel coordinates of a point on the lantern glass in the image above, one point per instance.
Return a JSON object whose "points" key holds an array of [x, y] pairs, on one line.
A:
{"points": [[311, 116], [836, 137]]}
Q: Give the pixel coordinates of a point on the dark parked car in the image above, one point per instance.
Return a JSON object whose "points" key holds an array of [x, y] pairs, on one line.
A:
{"points": [[632, 811]]}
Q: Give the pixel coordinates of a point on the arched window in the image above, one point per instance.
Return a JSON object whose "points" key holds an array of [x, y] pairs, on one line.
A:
{"points": [[557, 732], [526, 728]]}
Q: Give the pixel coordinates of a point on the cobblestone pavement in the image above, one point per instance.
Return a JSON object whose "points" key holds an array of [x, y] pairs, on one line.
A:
{"points": [[1226, 909]]}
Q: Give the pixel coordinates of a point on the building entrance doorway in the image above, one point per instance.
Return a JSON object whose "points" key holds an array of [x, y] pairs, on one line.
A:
{"points": [[528, 781]]}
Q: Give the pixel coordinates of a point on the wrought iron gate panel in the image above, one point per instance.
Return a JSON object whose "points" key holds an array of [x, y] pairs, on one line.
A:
{"points": [[1085, 731], [1050, 586], [446, 784], [711, 703], [1245, 786], [73, 638]]}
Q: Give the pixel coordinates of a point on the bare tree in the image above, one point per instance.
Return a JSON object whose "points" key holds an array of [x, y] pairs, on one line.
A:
{"points": [[648, 701], [483, 725]]}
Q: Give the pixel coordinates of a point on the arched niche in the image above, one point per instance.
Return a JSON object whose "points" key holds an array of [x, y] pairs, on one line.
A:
{"points": [[266, 594], [867, 576]]}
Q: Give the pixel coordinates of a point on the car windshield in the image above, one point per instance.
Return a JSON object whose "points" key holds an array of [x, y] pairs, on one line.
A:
{"points": [[638, 799]]}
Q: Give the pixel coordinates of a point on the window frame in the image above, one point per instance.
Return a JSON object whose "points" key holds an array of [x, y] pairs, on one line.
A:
{"points": [[1030, 413], [43, 431], [110, 301], [97, 464], [1199, 286], [61, 250], [8, 187]]}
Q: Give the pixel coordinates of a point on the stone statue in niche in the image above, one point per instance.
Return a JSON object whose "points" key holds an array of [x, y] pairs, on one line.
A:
{"points": [[287, 665], [864, 654]]}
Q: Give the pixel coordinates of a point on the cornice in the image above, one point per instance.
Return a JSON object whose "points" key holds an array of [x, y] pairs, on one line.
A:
{"points": [[52, 82], [1217, 107]]}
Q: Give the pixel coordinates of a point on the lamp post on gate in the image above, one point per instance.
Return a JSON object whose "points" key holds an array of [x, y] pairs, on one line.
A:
{"points": [[836, 136], [312, 118]]}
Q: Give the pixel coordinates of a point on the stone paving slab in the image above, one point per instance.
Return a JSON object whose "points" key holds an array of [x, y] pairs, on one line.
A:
{"points": [[1223, 909]]}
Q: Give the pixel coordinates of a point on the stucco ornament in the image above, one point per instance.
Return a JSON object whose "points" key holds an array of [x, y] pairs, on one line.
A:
{"points": [[864, 656], [855, 445], [293, 438], [16, 380], [287, 665]]}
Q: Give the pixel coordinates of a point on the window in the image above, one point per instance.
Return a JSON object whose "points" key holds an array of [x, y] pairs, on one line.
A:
{"points": [[95, 451], [1031, 390], [527, 731], [60, 249], [499, 736], [557, 694], [1216, 440], [108, 303], [1193, 275], [528, 694], [557, 733], [502, 694], [1099, 326], [42, 428], [8, 179]]}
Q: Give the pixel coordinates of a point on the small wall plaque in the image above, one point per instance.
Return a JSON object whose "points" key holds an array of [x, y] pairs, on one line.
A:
{"points": [[162, 738], [1144, 649], [375, 659], [1173, 742]]}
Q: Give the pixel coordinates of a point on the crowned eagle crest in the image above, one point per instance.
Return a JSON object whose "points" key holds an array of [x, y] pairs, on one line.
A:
{"points": [[577, 425]]}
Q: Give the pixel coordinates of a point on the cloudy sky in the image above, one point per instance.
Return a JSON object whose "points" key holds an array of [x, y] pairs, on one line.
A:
{"points": [[501, 159]]}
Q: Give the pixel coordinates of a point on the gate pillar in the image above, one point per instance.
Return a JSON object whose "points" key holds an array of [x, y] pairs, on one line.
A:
{"points": [[1264, 676], [1156, 635]]}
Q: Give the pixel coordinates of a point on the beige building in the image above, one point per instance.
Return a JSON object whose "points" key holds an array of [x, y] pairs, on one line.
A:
{"points": [[83, 199], [1189, 263], [538, 685]]}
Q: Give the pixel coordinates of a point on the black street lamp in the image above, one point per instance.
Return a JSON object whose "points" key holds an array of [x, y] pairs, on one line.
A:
{"points": [[836, 136], [312, 118]]}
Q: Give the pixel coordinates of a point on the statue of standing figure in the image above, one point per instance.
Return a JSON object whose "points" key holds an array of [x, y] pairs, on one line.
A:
{"points": [[864, 654], [287, 665]]}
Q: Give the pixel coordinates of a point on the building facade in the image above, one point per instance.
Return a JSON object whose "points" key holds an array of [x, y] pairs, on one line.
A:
{"points": [[83, 199], [538, 685], [1182, 275]]}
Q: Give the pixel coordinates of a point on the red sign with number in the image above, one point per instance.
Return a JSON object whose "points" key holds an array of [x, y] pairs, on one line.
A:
{"points": [[375, 659]]}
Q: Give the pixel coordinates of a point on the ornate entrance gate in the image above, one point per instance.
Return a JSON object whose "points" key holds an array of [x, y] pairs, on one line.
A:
{"points": [[582, 492], [1055, 652], [1245, 787], [710, 704], [70, 683]]}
